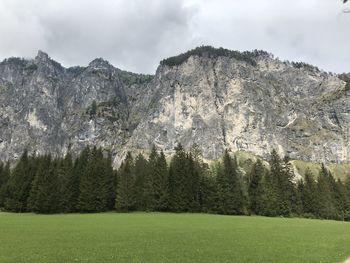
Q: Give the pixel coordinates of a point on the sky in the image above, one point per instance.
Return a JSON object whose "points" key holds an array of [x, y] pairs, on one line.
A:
{"points": [[135, 35]]}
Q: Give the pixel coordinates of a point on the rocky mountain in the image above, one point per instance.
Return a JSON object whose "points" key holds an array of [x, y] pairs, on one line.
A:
{"points": [[214, 98]]}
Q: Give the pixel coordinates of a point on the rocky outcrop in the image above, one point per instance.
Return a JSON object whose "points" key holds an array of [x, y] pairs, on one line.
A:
{"points": [[239, 101]]}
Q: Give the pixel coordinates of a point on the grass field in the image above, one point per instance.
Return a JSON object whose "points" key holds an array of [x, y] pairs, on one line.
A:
{"points": [[153, 237]]}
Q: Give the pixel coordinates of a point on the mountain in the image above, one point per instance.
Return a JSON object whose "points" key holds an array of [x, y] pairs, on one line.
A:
{"points": [[214, 98]]}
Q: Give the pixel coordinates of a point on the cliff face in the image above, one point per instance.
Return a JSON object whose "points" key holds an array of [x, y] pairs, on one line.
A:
{"points": [[216, 102]]}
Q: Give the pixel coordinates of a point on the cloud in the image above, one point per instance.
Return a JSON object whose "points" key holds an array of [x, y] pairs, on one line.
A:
{"points": [[131, 34], [135, 35]]}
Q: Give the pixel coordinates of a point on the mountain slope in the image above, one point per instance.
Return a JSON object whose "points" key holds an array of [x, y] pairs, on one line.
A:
{"points": [[214, 98]]}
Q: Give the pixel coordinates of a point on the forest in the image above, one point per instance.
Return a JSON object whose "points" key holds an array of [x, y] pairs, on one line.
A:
{"points": [[185, 183]]}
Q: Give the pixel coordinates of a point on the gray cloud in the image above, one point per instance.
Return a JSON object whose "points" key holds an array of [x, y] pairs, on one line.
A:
{"points": [[136, 34]]}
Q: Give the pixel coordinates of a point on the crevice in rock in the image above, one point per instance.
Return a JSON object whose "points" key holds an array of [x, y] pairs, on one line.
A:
{"points": [[217, 101]]}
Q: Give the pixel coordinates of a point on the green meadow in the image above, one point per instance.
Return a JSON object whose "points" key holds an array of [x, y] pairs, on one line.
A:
{"points": [[165, 237]]}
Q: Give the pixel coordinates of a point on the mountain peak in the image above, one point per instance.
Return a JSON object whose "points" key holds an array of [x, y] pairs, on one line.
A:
{"points": [[100, 63], [41, 55]]}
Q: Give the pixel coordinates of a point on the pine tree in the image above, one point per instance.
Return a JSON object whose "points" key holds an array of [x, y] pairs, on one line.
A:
{"points": [[309, 194], [282, 177], [125, 197], [109, 182], [270, 204], [230, 194], [67, 184], [19, 184], [4, 177], [160, 183], [256, 188], [177, 175], [327, 208], [87, 197], [143, 184], [44, 194]]}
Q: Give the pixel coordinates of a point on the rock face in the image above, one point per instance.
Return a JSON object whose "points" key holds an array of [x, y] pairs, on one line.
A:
{"points": [[216, 102]]}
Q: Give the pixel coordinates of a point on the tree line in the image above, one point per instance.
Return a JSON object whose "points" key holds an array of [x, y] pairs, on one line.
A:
{"points": [[185, 183]]}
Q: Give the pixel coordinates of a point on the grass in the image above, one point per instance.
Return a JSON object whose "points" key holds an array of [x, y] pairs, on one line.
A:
{"points": [[154, 237], [339, 171]]}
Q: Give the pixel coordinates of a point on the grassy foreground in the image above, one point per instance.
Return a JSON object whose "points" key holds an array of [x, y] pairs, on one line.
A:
{"points": [[155, 237]]}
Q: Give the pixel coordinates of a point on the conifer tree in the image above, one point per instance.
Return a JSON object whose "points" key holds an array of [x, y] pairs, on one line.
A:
{"points": [[231, 199], [309, 194], [67, 184], [125, 196], [44, 195], [256, 188], [19, 184], [327, 208], [4, 177], [87, 200], [143, 184], [177, 175], [160, 183]]}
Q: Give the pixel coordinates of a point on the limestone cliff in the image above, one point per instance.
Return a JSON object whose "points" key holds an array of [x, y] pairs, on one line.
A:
{"points": [[241, 101]]}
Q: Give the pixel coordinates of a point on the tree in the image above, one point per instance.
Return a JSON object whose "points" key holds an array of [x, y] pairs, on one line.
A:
{"points": [[177, 175], [256, 188], [309, 194], [143, 184], [327, 208], [4, 177], [230, 194], [44, 194], [160, 183], [86, 200], [19, 184], [125, 197], [282, 183], [68, 184]]}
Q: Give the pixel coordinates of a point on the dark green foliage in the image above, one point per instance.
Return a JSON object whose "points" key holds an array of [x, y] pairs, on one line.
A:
{"points": [[125, 196], [306, 66], [256, 190], [177, 180], [130, 78], [93, 109], [19, 184], [211, 52], [68, 184], [309, 194], [143, 184], [346, 78], [44, 191], [96, 184], [158, 170], [4, 177], [230, 190], [88, 183]]}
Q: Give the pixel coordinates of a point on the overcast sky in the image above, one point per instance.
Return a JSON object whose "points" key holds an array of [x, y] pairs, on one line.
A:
{"points": [[136, 34]]}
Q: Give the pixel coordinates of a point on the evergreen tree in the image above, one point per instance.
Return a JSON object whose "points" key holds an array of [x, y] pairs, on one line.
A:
{"points": [[44, 195], [4, 177], [67, 183], [79, 181], [327, 208], [87, 197], [230, 194], [177, 175], [143, 184], [160, 183], [282, 176], [256, 188], [309, 194], [19, 184], [270, 207], [125, 197]]}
